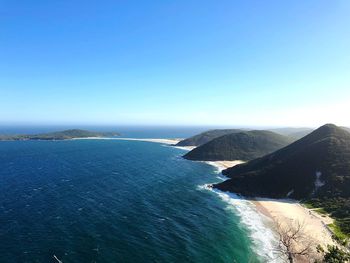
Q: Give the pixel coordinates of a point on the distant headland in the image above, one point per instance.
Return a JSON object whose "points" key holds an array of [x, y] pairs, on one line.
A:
{"points": [[59, 135]]}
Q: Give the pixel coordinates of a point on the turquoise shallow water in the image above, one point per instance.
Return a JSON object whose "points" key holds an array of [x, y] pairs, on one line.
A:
{"points": [[113, 201]]}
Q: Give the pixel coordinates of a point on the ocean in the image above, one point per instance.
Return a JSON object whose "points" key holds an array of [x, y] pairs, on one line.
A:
{"points": [[120, 201]]}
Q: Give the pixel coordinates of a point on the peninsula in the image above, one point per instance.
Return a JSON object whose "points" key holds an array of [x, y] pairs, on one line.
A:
{"points": [[59, 135]]}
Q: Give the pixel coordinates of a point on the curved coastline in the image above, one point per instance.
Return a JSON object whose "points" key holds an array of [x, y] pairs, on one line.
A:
{"points": [[260, 227], [273, 212], [260, 215]]}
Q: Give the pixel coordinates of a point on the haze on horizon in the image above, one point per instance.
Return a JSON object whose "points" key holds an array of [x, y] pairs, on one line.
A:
{"points": [[242, 63]]}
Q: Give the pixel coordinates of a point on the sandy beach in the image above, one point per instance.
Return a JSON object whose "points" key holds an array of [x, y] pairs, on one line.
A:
{"points": [[164, 141], [222, 165], [155, 140], [286, 213]]}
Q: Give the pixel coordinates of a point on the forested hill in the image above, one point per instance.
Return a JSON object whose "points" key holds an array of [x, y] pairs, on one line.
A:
{"points": [[314, 168], [245, 146], [205, 137]]}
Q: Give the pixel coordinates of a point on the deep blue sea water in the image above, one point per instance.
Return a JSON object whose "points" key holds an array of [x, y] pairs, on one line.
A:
{"points": [[113, 201]]}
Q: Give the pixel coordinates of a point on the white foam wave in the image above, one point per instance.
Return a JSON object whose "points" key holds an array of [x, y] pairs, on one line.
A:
{"points": [[185, 148], [220, 177], [222, 165], [260, 227], [204, 187], [219, 167]]}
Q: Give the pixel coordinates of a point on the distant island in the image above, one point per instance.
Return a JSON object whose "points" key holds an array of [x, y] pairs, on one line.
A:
{"points": [[59, 135], [243, 145]]}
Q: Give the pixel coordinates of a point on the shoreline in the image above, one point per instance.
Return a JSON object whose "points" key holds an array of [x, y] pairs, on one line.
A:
{"points": [[272, 212], [285, 212], [155, 140], [261, 227]]}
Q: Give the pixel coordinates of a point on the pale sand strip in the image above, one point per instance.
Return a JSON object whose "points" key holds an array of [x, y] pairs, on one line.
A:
{"points": [[186, 148], [222, 165], [285, 212], [164, 141]]}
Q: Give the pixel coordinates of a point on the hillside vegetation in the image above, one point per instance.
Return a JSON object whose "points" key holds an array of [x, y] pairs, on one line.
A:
{"points": [[315, 169], [60, 135], [239, 146], [205, 137]]}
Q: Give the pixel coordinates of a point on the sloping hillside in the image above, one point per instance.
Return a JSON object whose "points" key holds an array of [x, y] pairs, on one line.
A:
{"points": [[239, 146], [315, 168], [205, 137]]}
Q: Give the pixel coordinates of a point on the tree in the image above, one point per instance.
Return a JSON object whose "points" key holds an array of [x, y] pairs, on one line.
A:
{"points": [[334, 255], [293, 243]]}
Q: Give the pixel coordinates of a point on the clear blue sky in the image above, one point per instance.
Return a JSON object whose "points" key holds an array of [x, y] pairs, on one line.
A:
{"points": [[175, 62]]}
